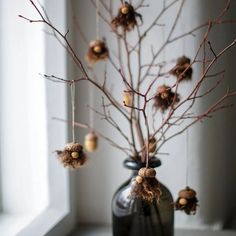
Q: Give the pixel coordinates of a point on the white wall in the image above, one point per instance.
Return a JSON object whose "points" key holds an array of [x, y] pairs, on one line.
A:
{"points": [[211, 145]]}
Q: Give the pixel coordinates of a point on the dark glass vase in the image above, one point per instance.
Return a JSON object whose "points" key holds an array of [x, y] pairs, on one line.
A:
{"points": [[136, 217]]}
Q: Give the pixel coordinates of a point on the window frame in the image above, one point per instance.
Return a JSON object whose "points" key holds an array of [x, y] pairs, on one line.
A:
{"points": [[58, 210]]}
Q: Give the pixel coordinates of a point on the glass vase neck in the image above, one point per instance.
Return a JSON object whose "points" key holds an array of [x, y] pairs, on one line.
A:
{"points": [[135, 165]]}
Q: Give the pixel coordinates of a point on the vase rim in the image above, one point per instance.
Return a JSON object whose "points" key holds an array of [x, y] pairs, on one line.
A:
{"points": [[136, 165]]}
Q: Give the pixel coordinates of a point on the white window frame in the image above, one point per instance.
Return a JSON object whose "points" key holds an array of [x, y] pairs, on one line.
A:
{"points": [[58, 208]]}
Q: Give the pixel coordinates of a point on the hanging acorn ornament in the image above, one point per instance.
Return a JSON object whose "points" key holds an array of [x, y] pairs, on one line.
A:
{"points": [[182, 69], [72, 156], [187, 201], [91, 142], [152, 144], [165, 97], [127, 98], [126, 17], [97, 51], [146, 185]]}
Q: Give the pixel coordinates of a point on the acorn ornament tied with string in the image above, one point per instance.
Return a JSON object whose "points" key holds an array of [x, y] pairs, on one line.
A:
{"points": [[187, 201], [91, 142], [126, 17], [182, 69], [72, 156], [152, 144], [165, 98], [127, 99], [146, 185], [97, 51]]}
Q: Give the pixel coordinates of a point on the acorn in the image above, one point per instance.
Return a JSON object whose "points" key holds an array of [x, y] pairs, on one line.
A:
{"points": [[183, 201], [97, 49], [91, 142], [124, 9], [75, 155], [152, 145], [127, 98], [139, 179]]}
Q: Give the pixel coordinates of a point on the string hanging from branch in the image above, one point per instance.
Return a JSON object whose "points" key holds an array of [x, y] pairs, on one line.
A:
{"points": [[163, 34], [97, 19], [91, 138], [183, 69], [72, 155], [187, 200], [72, 93], [97, 51]]}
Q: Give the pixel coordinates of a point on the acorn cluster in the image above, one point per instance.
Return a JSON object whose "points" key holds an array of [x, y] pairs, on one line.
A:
{"points": [[187, 201], [182, 69], [126, 18], [146, 185], [165, 98], [72, 156], [97, 51]]}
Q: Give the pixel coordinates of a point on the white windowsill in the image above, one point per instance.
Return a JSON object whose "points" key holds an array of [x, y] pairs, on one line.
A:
{"points": [[27, 225], [11, 224], [106, 231]]}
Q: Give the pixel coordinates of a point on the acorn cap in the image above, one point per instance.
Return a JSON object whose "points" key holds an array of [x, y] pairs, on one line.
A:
{"points": [[92, 43], [73, 147], [95, 42], [91, 137], [163, 89], [183, 60], [152, 139], [187, 193], [147, 172]]}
